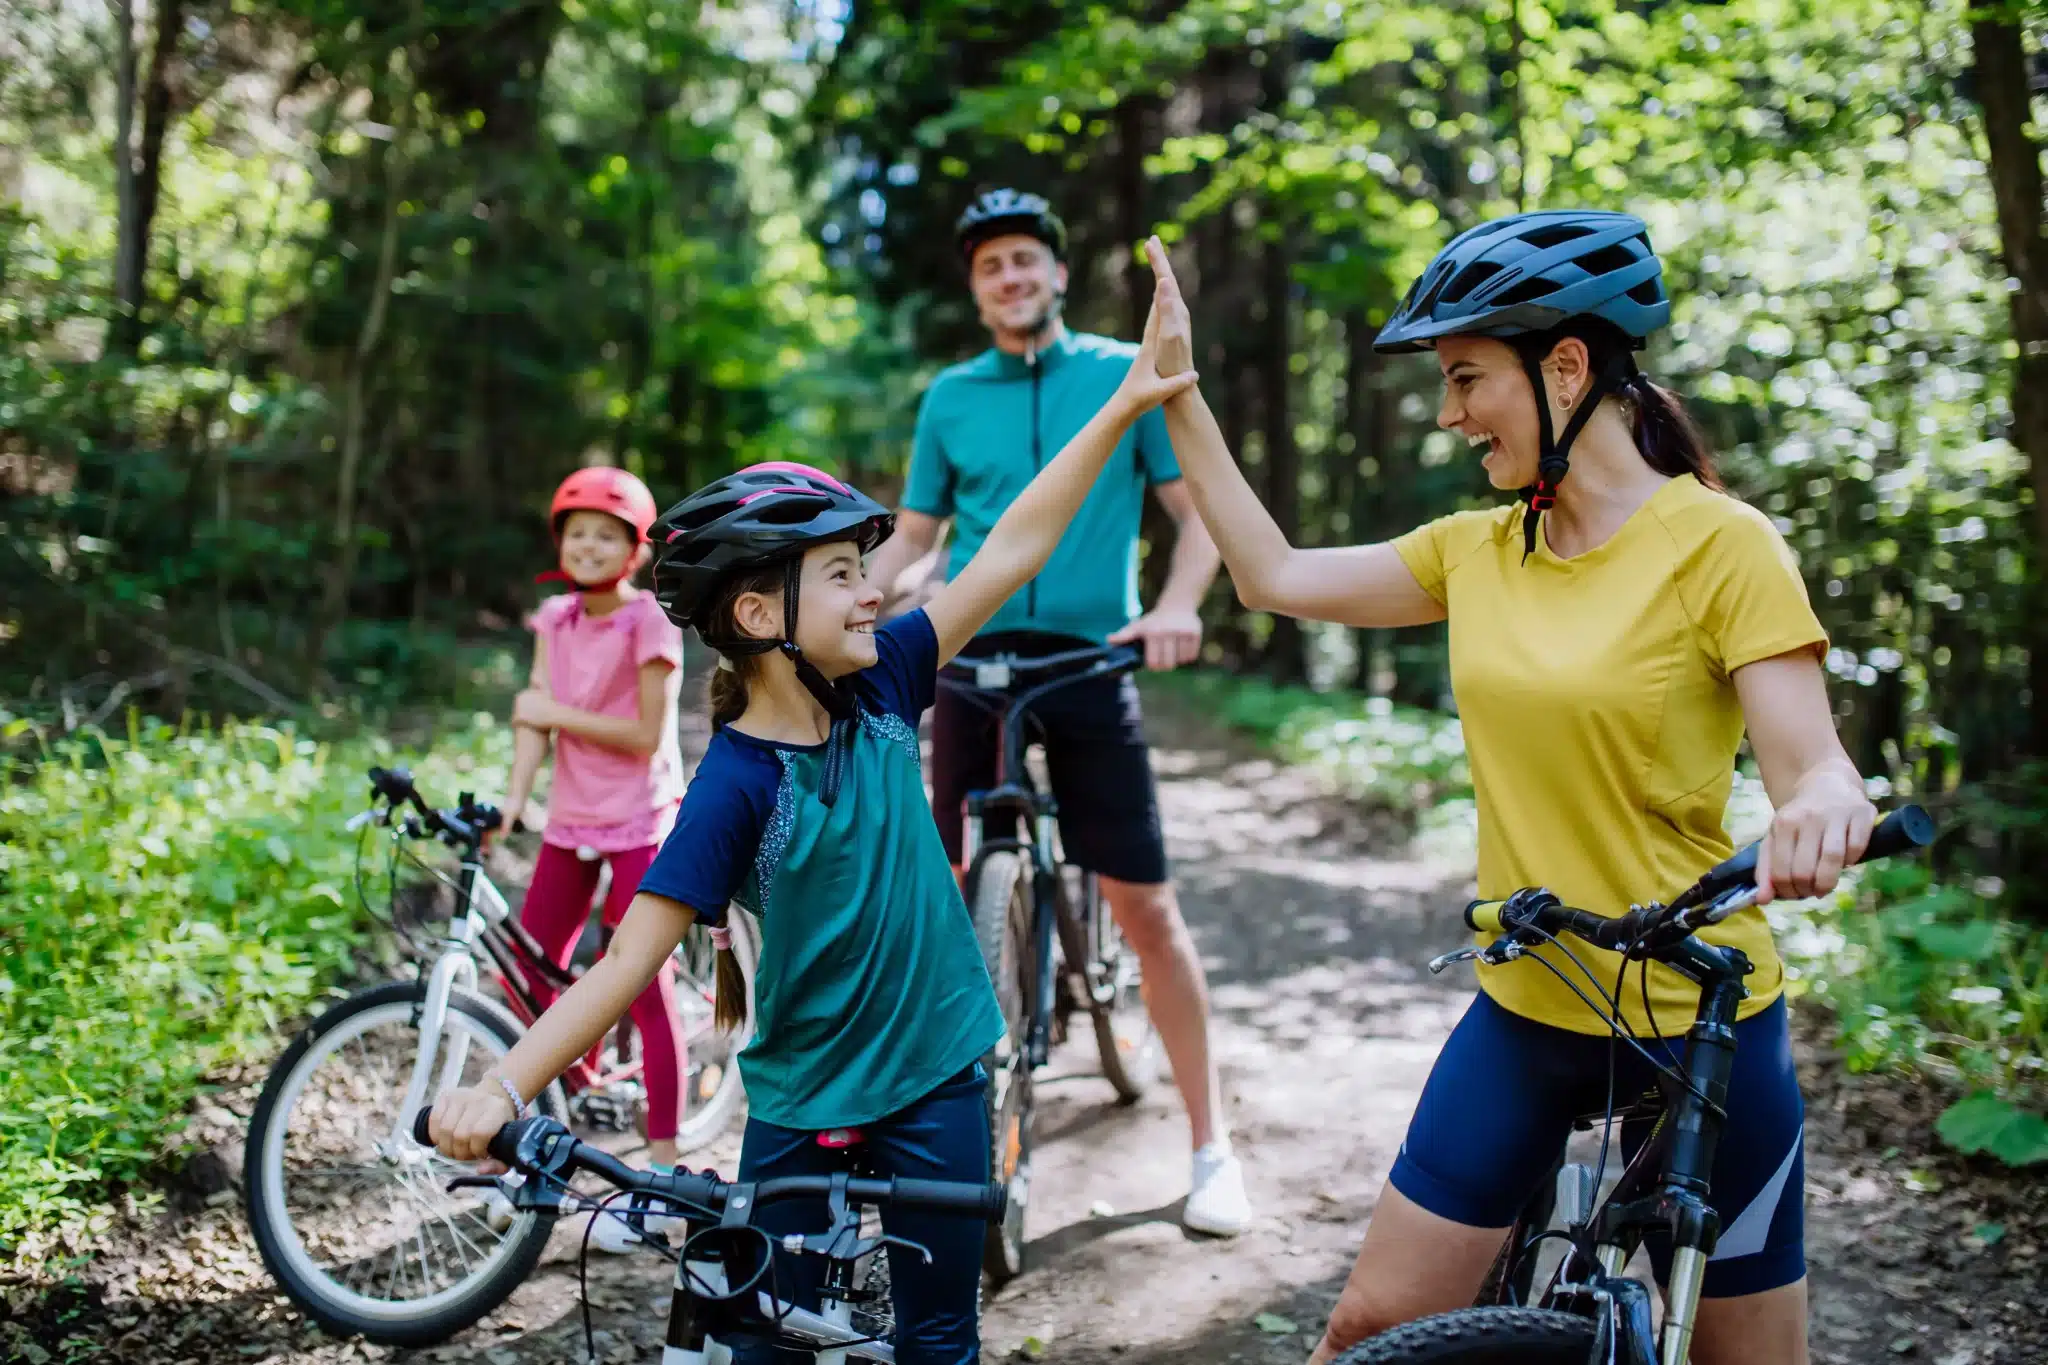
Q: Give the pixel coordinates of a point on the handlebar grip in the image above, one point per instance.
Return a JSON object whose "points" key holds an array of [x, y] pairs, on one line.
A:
{"points": [[1484, 916], [419, 1127], [986, 1202], [1905, 829]]}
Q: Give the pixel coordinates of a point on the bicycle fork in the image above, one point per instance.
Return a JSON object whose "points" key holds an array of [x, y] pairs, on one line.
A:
{"points": [[1044, 916], [456, 966]]}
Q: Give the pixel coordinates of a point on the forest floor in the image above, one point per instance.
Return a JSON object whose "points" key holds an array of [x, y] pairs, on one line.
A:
{"points": [[1315, 924]]}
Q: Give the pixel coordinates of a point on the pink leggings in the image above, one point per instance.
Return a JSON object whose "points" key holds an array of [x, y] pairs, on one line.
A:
{"points": [[557, 904]]}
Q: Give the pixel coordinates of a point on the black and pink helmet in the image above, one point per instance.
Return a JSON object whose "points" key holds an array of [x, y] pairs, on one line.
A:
{"points": [[753, 517]]}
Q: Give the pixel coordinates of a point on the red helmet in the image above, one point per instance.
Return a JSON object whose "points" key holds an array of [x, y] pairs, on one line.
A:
{"points": [[604, 488]]}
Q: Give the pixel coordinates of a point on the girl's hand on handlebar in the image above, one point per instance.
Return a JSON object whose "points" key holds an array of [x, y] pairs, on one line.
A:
{"points": [[1821, 830], [464, 1122]]}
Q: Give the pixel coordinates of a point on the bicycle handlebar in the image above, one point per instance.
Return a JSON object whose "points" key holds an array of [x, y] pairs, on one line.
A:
{"points": [[541, 1146], [1113, 658], [467, 824], [1726, 888]]}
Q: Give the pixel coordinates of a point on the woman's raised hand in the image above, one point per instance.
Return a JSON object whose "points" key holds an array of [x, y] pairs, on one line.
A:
{"points": [[1163, 366], [1174, 350]]}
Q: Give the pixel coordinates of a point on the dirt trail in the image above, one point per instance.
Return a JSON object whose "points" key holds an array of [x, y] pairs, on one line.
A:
{"points": [[1314, 927]]}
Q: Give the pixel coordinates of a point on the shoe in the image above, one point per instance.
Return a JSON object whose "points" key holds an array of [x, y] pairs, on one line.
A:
{"points": [[613, 1234], [498, 1210], [1216, 1202]]}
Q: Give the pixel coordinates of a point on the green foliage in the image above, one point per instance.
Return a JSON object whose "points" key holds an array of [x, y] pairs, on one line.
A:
{"points": [[171, 900], [1930, 976], [1400, 758]]}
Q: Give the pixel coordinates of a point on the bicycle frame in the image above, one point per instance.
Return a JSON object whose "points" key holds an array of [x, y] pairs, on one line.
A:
{"points": [[1016, 797], [1667, 1184]]}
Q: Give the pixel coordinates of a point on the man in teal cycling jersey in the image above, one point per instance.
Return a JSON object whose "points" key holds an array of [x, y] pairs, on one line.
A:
{"points": [[985, 428]]}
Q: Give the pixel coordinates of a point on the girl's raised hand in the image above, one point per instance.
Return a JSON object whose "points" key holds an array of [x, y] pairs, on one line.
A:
{"points": [[1148, 384]]}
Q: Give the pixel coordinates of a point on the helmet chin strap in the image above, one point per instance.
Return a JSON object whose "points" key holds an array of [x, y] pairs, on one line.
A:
{"points": [[1553, 453]]}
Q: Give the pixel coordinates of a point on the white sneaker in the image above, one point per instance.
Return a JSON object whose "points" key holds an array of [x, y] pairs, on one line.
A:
{"points": [[1216, 1203], [498, 1210], [613, 1234]]}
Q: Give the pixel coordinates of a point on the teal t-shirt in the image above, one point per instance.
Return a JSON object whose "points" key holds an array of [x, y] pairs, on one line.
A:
{"points": [[870, 991], [988, 425]]}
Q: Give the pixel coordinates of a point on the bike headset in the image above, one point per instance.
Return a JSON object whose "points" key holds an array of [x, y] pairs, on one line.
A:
{"points": [[600, 488], [1003, 212], [1530, 280], [759, 516]]}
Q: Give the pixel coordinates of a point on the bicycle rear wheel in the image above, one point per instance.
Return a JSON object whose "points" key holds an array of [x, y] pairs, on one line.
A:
{"points": [[1125, 1040], [1481, 1336], [999, 895], [350, 1214]]}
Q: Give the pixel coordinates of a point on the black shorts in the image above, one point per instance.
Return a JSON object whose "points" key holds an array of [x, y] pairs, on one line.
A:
{"points": [[1094, 737]]}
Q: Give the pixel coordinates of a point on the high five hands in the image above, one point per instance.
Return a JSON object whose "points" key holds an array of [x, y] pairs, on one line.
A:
{"points": [[1164, 365]]}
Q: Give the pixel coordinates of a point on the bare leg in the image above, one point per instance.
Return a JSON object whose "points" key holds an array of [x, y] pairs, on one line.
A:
{"points": [[1176, 995], [1413, 1264], [1755, 1329]]}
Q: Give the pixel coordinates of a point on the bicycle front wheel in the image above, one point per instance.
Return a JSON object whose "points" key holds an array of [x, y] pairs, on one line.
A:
{"points": [[353, 1218], [1000, 898], [1125, 1039], [1481, 1336]]}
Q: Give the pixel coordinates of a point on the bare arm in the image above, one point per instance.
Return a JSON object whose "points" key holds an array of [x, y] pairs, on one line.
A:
{"points": [[465, 1119], [1823, 819], [917, 534], [636, 734], [1355, 585], [529, 743], [1195, 557]]}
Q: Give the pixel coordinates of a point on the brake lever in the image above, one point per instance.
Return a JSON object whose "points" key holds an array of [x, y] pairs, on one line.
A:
{"points": [[1437, 965], [923, 1252]]}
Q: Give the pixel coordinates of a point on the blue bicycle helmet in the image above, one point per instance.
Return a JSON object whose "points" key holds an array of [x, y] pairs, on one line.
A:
{"points": [[1531, 279]]}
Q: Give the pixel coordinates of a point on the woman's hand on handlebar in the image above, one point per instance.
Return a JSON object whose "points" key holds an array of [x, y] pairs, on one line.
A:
{"points": [[1820, 831], [464, 1122]]}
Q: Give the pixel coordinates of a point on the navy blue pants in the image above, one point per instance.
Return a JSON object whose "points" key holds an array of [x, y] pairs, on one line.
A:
{"points": [[943, 1136], [1500, 1102]]}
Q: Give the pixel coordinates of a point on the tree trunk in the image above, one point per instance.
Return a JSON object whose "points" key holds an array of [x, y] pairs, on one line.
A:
{"points": [[133, 251], [127, 271], [1131, 218], [2002, 88], [1359, 489]]}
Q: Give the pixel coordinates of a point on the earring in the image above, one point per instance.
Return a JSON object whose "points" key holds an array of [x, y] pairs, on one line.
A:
{"points": [[1565, 402]]}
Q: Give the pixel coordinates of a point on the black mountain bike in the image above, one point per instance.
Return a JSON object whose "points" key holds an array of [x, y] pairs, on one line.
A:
{"points": [[1049, 941], [725, 1287], [1591, 1313]]}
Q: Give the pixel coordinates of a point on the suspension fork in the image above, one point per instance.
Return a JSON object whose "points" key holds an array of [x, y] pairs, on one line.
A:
{"points": [[454, 968], [1044, 926]]}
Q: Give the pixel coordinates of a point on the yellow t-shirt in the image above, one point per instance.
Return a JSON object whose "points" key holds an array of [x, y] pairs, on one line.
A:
{"points": [[1601, 722]]}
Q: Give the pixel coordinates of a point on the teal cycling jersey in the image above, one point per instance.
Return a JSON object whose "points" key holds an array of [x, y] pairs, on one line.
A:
{"points": [[988, 425]]}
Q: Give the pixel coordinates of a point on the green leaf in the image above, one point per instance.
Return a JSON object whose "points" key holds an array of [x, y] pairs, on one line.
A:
{"points": [[1989, 1234], [1032, 1349], [1275, 1324], [1972, 942], [1985, 1123]]}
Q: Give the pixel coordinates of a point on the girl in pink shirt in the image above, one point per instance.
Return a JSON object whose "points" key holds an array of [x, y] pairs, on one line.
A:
{"points": [[606, 669]]}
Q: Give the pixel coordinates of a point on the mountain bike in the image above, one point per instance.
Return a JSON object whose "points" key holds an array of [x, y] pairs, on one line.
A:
{"points": [[347, 1212], [1591, 1313], [1049, 942], [725, 1286]]}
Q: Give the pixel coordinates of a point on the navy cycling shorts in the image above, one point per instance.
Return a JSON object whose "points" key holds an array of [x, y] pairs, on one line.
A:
{"points": [[1499, 1106]]}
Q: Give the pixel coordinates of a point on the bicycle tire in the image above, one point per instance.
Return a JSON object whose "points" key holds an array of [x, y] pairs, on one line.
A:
{"points": [[1127, 1046], [1513, 1273], [335, 1307], [999, 890], [1480, 1336]]}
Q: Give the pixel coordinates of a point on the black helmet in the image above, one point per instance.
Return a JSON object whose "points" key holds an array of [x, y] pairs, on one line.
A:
{"points": [[1530, 272], [1002, 211], [1530, 279]]}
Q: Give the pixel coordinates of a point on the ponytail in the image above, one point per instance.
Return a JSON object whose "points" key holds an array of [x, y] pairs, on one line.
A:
{"points": [[729, 1005], [727, 692], [1670, 440]]}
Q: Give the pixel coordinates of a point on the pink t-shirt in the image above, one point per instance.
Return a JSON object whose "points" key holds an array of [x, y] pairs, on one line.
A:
{"points": [[607, 798]]}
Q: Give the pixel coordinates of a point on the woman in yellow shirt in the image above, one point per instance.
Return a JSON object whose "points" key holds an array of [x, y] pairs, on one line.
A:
{"points": [[1609, 644]]}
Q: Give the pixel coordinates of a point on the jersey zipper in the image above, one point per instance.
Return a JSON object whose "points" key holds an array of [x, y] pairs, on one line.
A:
{"points": [[1037, 463]]}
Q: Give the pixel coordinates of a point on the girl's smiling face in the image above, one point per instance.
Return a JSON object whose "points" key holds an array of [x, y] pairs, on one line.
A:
{"points": [[835, 614], [596, 547]]}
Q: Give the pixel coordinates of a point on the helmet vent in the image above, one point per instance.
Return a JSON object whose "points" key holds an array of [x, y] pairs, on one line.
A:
{"points": [[1554, 234], [1528, 291], [1469, 279], [1608, 260]]}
